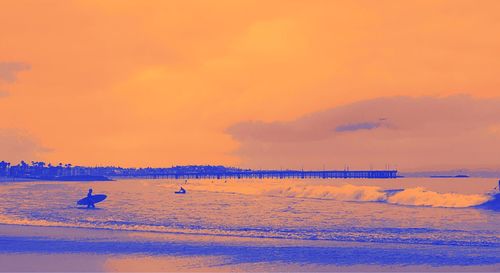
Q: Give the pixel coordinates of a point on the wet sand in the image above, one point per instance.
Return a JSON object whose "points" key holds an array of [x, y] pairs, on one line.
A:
{"points": [[31, 248]]}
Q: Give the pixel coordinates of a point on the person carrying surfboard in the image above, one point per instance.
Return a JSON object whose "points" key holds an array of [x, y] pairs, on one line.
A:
{"points": [[91, 199], [90, 204]]}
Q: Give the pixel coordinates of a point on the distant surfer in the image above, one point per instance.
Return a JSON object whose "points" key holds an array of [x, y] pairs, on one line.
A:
{"points": [[181, 191], [90, 203]]}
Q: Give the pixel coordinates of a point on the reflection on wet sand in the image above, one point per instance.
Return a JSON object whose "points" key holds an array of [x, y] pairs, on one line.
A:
{"points": [[146, 251]]}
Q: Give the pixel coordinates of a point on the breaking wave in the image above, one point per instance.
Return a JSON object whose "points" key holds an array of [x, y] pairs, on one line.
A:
{"points": [[409, 197], [421, 197]]}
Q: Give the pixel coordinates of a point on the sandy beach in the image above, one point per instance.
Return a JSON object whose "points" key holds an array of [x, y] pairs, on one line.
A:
{"points": [[100, 250]]}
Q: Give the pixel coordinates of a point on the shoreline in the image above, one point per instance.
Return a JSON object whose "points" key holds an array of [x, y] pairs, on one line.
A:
{"points": [[88, 249], [12, 179]]}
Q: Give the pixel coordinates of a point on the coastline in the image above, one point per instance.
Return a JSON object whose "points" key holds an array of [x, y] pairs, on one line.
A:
{"points": [[11, 179], [98, 250], [77, 178]]}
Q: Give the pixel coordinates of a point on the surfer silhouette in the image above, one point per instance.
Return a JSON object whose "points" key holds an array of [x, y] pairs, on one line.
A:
{"points": [[91, 199], [182, 190], [90, 204]]}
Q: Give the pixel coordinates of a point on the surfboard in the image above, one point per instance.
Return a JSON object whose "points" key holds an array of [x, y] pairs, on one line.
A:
{"points": [[393, 192], [95, 199]]}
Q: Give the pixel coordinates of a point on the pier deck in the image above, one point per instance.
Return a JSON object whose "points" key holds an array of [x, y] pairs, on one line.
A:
{"points": [[380, 174]]}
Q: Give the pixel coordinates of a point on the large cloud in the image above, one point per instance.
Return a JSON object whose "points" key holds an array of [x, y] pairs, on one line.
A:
{"points": [[140, 83], [16, 145], [405, 132]]}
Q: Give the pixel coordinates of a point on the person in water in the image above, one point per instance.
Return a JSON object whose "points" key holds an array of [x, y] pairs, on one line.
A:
{"points": [[182, 190], [90, 204]]}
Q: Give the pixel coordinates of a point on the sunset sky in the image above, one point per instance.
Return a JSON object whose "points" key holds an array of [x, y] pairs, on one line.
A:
{"points": [[261, 84]]}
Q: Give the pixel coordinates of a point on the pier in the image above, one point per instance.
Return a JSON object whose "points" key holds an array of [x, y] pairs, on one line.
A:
{"points": [[288, 174], [66, 172]]}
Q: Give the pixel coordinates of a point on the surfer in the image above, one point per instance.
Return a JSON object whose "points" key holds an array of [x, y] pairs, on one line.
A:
{"points": [[91, 199], [90, 204], [182, 190]]}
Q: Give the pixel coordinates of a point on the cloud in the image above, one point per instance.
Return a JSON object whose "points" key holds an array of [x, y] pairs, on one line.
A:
{"points": [[9, 70], [16, 145], [422, 132], [358, 126], [158, 82]]}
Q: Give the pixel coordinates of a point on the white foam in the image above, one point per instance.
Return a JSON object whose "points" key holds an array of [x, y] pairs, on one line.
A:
{"points": [[348, 192], [420, 197]]}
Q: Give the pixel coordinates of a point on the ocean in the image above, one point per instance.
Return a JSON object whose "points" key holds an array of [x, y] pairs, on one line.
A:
{"points": [[425, 213]]}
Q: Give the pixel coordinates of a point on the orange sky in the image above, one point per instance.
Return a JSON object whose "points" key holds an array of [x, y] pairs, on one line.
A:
{"points": [[138, 83]]}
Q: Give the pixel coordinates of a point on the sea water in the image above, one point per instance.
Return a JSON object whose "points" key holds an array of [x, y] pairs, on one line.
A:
{"points": [[406, 211]]}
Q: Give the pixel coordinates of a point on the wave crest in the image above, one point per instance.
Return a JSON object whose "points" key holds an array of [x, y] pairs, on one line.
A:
{"points": [[348, 192], [420, 197]]}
